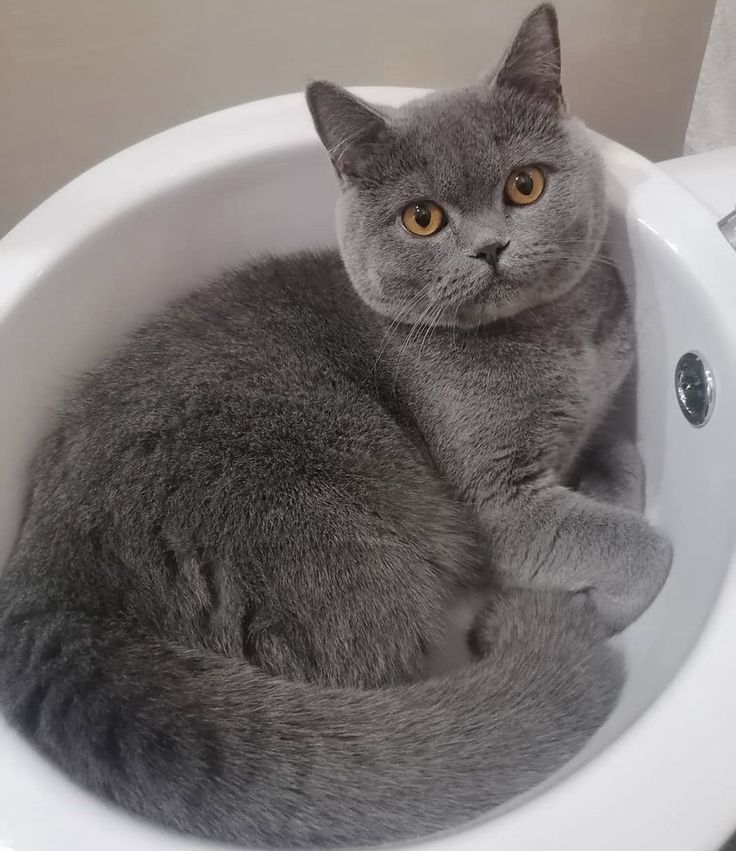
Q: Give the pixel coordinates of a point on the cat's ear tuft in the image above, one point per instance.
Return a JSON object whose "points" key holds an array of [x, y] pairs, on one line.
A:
{"points": [[350, 129], [532, 64]]}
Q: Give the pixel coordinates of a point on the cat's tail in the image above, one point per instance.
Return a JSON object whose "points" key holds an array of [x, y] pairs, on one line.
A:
{"points": [[213, 747]]}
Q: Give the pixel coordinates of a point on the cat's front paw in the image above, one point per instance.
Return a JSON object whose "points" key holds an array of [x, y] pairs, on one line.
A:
{"points": [[637, 563]]}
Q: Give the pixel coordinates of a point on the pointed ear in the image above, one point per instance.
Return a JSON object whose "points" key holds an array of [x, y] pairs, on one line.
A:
{"points": [[532, 64], [350, 129]]}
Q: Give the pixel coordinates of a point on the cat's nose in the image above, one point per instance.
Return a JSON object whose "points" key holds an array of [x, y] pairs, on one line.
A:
{"points": [[491, 252]]}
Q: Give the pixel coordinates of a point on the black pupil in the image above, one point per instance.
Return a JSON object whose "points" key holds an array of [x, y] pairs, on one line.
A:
{"points": [[422, 215], [524, 183]]}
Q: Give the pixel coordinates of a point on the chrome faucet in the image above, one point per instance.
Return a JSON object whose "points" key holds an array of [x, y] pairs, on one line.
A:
{"points": [[727, 227]]}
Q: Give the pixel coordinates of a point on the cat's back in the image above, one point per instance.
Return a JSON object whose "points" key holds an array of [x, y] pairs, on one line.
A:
{"points": [[274, 316], [274, 328], [268, 368]]}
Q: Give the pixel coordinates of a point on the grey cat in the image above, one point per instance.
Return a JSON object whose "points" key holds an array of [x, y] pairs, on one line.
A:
{"points": [[245, 532]]}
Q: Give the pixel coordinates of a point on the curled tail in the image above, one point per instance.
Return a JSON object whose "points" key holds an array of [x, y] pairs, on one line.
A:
{"points": [[213, 747]]}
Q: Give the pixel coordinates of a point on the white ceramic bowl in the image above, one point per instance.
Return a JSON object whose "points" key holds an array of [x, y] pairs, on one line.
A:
{"points": [[160, 218]]}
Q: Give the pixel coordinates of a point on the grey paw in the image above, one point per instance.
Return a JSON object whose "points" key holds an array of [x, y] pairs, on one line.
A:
{"points": [[639, 561]]}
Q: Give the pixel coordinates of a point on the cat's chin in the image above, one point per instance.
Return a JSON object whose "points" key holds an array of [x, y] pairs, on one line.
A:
{"points": [[502, 298], [469, 315], [477, 312], [476, 315]]}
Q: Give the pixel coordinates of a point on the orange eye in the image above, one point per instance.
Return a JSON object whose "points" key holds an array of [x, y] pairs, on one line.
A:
{"points": [[424, 218], [524, 185]]}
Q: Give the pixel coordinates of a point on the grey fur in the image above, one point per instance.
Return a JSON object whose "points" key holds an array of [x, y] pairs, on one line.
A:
{"points": [[244, 534]]}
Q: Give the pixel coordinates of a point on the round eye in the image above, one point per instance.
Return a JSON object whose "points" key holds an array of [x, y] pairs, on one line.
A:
{"points": [[423, 218], [524, 185]]}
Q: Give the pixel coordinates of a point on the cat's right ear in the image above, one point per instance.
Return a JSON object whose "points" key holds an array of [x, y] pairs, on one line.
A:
{"points": [[351, 130]]}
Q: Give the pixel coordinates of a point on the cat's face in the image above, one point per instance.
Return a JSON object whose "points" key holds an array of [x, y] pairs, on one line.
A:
{"points": [[467, 206]]}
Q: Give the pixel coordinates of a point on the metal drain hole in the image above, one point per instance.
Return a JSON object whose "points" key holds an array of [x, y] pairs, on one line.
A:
{"points": [[695, 388]]}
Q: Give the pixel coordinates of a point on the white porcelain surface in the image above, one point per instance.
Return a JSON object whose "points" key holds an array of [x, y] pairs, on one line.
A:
{"points": [[159, 218], [710, 176]]}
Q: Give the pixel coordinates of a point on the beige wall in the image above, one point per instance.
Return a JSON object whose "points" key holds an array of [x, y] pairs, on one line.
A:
{"points": [[80, 79]]}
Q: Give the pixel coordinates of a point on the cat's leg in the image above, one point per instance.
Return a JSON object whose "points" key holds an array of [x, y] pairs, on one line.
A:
{"points": [[612, 470], [370, 637], [610, 467], [342, 547], [363, 606], [553, 537]]}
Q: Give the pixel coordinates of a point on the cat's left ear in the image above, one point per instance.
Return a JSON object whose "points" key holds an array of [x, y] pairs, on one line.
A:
{"points": [[532, 64], [352, 131]]}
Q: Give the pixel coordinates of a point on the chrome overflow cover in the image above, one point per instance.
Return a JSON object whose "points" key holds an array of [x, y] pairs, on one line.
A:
{"points": [[695, 388]]}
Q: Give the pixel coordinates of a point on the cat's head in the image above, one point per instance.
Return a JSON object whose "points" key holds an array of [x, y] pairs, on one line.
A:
{"points": [[469, 205]]}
